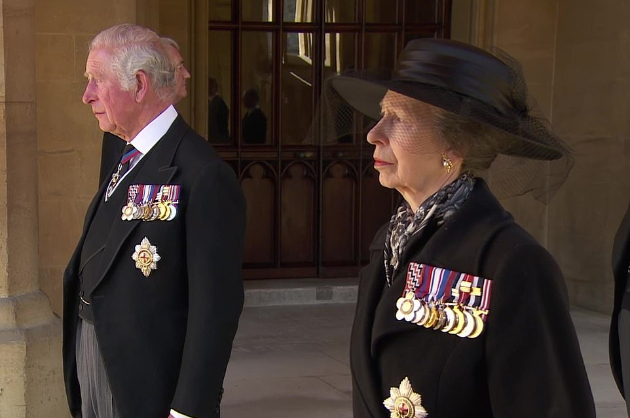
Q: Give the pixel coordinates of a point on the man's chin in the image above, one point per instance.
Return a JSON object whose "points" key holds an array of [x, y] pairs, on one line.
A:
{"points": [[106, 127]]}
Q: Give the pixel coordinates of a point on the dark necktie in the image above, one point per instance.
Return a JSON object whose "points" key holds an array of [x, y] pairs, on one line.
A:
{"points": [[129, 153]]}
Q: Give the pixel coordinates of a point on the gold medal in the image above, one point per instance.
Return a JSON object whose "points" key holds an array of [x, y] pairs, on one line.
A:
{"points": [[162, 208], [146, 213], [469, 328], [478, 325], [432, 317]]}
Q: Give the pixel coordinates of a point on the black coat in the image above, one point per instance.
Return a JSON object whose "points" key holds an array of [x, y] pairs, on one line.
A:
{"points": [[218, 119], [111, 152], [254, 127], [527, 361], [166, 339], [620, 262]]}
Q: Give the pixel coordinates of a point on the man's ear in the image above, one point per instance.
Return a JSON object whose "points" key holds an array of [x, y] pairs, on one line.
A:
{"points": [[142, 86]]}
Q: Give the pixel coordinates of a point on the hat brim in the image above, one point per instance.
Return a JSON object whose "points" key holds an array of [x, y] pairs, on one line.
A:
{"points": [[365, 96]]}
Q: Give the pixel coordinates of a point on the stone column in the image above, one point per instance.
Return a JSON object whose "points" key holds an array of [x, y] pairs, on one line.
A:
{"points": [[31, 381]]}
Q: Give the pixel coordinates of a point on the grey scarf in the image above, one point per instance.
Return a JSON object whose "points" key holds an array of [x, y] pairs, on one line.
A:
{"points": [[404, 223]]}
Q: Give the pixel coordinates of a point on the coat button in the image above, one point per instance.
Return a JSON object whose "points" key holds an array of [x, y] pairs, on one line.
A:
{"points": [[81, 293], [80, 307]]}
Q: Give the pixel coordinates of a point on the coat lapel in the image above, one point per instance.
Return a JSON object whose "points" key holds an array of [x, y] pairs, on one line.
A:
{"points": [[364, 378], [157, 169]]}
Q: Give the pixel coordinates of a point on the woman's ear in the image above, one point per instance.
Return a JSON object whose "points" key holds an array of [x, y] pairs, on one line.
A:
{"points": [[454, 155]]}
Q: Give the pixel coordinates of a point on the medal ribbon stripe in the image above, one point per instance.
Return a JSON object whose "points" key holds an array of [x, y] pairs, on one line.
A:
{"points": [[485, 298], [440, 278], [456, 293], [446, 275], [426, 282], [475, 293], [130, 155], [435, 284], [414, 278], [453, 276], [464, 290]]}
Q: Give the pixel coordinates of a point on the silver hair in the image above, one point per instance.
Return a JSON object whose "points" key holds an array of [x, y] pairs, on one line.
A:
{"points": [[135, 48], [170, 42]]}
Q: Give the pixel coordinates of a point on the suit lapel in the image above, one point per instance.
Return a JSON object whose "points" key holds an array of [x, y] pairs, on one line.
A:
{"points": [[156, 169]]}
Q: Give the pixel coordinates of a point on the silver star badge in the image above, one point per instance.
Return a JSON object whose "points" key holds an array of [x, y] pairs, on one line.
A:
{"points": [[146, 257], [403, 402]]}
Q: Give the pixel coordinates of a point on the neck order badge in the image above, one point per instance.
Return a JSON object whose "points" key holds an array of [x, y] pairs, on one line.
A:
{"points": [[129, 153]]}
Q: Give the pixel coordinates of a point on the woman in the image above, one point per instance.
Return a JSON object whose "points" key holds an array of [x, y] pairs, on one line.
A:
{"points": [[460, 313]]}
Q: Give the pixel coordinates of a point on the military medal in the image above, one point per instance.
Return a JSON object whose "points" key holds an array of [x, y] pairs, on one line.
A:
{"points": [[403, 402], [469, 328], [444, 300], [450, 319], [479, 324], [173, 213], [130, 210], [407, 307], [146, 257], [127, 212]]}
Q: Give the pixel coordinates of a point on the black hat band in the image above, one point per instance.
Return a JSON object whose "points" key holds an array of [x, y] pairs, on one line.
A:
{"points": [[489, 84]]}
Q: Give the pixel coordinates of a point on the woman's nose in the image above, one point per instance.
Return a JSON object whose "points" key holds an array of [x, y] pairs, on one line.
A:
{"points": [[379, 132]]}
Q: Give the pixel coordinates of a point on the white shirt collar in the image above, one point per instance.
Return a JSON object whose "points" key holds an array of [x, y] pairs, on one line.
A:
{"points": [[151, 134]]}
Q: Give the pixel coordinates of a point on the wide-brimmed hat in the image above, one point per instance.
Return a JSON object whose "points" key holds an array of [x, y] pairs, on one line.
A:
{"points": [[464, 80]]}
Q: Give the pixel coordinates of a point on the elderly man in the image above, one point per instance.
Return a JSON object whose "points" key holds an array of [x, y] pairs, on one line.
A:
{"points": [[112, 145], [152, 293]]}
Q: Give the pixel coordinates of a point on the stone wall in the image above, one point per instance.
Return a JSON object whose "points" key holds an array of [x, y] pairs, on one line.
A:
{"points": [[69, 140], [576, 56], [591, 107]]}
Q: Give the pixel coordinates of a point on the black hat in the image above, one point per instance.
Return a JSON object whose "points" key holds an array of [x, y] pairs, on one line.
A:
{"points": [[464, 80]]}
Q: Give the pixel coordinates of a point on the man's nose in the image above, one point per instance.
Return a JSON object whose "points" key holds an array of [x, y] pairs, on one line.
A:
{"points": [[88, 94]]}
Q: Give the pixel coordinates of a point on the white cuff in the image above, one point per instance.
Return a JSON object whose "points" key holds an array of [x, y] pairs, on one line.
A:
{"points": [[176, 414]]}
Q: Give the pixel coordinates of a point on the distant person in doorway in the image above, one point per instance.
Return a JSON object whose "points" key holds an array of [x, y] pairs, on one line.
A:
{"points": [[254, 123], [218, 115]]}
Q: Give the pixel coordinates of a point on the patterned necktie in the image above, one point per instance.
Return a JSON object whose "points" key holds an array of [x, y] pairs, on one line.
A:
{"points": [[129, 153]]}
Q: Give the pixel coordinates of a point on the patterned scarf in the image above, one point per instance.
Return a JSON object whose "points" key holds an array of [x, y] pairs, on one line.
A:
{"points": [[404, 223]]}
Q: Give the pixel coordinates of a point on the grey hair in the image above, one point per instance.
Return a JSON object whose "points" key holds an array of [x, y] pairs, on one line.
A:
{"points": [[170, 42], [478, 144], [135, 48]]}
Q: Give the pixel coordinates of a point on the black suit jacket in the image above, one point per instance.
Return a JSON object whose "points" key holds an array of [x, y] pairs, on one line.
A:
{"points": [[111, 151], [166, 339], [620, 261], [527, 361]]}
